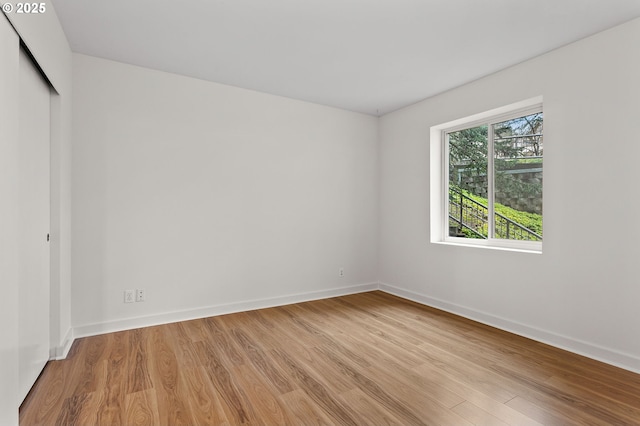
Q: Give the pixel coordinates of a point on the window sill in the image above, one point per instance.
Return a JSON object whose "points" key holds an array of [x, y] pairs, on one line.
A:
{"points": [[533, 250]]}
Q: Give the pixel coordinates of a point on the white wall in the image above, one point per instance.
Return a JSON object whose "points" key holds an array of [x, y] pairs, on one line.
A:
{"points": [[583, 292], [212, 198]]}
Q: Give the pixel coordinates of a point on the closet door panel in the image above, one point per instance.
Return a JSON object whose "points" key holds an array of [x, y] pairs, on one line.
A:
{"points": [[9, 45], [34, 192]]}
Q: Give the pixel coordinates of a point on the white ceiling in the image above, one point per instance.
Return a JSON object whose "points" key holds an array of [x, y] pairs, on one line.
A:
{"points": [[371, 56]]}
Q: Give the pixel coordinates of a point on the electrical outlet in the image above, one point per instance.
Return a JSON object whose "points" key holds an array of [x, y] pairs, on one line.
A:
{"points": [[341, 272], [140, 295], [129, 296]]}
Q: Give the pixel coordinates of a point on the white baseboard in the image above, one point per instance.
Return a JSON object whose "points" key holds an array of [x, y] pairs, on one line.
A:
{"points": [[68, 341], [61, 352], [606, 355], [209, 311], [599, 353]]}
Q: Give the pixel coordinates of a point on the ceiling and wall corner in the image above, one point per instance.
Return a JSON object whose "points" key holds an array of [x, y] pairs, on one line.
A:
{"points": [[373, 56]]}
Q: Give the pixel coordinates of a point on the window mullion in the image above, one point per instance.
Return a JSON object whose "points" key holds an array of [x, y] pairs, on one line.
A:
{"points": [[490, 182], [445, 179]]}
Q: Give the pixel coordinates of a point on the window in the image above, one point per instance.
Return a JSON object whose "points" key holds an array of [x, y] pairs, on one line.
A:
{"points": [[492, 192]]}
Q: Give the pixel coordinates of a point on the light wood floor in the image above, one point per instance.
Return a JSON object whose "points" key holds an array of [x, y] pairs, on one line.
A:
{"points": [[366, 359]]}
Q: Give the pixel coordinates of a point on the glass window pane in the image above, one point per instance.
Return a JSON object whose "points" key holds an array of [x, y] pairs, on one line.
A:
{"points": [[518, 152], [468, 212]]}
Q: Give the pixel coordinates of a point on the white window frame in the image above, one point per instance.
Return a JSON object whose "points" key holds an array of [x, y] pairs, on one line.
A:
{"points": [[440, 176]]}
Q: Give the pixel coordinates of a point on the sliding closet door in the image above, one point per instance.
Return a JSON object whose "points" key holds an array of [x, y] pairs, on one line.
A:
{"points": [[34, 188], [8, 218]]}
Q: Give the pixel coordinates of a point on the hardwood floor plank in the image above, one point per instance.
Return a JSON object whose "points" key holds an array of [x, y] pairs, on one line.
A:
{"points": [[196, 330], [496, 408], [362, 359], [477, 415], [388, 372], [620, 403], [553, 360], [414, 405], [370, 411], [170, 394], [482, 343], [284, 333], [328, 335], [326, 371], [76, 410], [316, 390], [574, 405], [223, 341], [236, 406], [44, 402], [494, 377], [141, 408], [543, 415], [303, 410], [262, 396], [183, 346], [138, 379], [110, 408], [261, 362], [476, 376], [205, 403], [84, 368]]}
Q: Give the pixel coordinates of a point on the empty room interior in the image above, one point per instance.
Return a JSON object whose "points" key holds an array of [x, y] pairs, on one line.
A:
{"points": [[336, 212]]}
